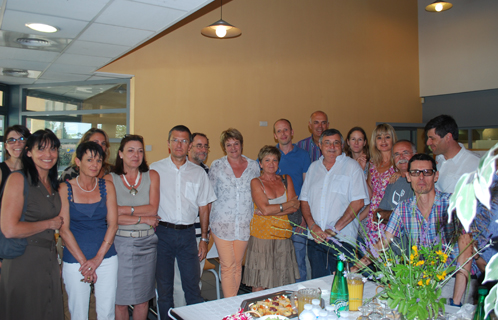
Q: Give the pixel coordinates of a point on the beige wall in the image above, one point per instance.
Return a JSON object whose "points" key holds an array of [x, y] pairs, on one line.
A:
{"points": [[356, 60]]}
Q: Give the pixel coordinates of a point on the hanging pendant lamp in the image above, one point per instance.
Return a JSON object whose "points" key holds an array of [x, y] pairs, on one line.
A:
{"points": [[438, 6], [221, 29]]}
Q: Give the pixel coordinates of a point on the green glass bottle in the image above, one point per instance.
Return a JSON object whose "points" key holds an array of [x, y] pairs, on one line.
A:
{"points": [[339, 297], [479, 314]]}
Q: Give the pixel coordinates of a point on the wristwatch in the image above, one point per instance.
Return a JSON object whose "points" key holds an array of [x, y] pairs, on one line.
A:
{"points": [[132, 210], [205, 240]]}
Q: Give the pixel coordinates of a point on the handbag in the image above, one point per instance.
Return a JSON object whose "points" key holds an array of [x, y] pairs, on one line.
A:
{"points": [[11, 248], [296, 217]]}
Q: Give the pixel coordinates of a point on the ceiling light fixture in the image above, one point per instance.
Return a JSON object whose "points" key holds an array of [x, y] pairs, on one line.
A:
{"points": [[33, 42], [20, 73], [221, 29], [42, 27], [438, 6]]}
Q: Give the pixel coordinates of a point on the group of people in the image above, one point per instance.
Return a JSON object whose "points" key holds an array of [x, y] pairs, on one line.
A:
{"points": [[128, 228]]}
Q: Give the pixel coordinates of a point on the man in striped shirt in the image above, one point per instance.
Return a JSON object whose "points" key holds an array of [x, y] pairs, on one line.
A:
{"points": [[319, 122]]}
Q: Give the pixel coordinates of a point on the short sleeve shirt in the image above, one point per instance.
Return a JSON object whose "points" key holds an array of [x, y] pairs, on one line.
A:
{"points": [[452, 169], [232, 212], [182, 191], [329, 193], [295, 164], [408, 220]]}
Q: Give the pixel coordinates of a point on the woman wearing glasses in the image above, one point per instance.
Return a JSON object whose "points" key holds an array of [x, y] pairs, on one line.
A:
{"points": [[102, 139], [14, 141], [137, 193], [231, 213]]}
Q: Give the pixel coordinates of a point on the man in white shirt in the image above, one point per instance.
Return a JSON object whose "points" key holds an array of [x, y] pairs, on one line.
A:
{"points": [[333, 193], [197, 154], [453, 160], [185, 192]]}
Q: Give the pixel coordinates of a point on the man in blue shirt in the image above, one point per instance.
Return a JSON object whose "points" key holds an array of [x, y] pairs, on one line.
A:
{"points": [[294, 161]]}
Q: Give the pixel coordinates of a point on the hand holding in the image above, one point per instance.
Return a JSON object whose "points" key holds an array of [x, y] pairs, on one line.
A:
{"points": [[318, 234], [152, 221], [394, 177], [55, 223]]}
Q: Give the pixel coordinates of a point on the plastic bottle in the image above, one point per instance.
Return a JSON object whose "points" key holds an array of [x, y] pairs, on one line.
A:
{"points": [[339, 297], [307, 313], [479, 314], [322, 315], [316, 307], [330, 310], [344, 314]]}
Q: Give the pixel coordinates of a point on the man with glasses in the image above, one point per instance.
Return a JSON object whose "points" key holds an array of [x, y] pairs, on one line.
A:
{"points": [[400, 190], [333, 193], [197, 154], [423, 217], [185, 193]]}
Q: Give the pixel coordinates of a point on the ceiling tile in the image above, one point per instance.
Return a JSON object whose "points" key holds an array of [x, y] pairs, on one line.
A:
{"points": [[52, 75], [104, 33], [124, 13], [16, 81], [71, 68], [81, 60], [186, 5], [97, 49], [16, 20], [23, 64], [73, 9], [26, 54]]}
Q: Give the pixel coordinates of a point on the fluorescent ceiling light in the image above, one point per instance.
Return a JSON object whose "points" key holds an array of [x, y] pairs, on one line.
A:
{"points": [[42, 27]]}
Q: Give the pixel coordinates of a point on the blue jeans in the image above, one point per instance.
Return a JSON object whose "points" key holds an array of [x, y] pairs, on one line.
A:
{"points": [[323, 259], [179, 244], [300, 249]]}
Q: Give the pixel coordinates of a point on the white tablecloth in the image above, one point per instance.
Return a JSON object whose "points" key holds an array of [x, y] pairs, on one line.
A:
{"points": [[217, 309]]}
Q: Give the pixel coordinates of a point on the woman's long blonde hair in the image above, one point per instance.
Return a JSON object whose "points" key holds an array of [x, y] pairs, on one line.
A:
{"points": [[375, 154]]}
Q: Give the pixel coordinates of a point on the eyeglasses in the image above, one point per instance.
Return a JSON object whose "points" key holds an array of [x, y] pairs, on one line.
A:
{"points": [[200, 146], [334, 143], [404, 153], [182, 141], [14, 140], [426, 172]]}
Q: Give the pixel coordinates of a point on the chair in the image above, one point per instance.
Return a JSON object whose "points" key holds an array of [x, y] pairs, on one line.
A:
{"points": [[208, 266]]}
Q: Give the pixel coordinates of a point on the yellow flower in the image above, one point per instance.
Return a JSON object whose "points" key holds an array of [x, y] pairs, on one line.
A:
{"points": [[440, 277], [432, 262], [445, 257], [420, 283], [421, 262], [415, 250], [427, 281]]}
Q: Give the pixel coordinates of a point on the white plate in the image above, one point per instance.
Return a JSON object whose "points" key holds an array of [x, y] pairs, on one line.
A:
{"points": [[274, 317]]}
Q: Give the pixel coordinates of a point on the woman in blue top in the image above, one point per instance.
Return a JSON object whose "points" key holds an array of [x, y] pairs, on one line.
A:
{"points": [[90, 211]]}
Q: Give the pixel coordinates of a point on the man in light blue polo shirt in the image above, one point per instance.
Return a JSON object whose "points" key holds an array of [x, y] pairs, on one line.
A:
{"points": [[295, 162]]}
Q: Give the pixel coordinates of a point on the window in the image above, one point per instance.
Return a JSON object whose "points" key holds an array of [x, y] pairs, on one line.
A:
{"points": [[69, 110]]}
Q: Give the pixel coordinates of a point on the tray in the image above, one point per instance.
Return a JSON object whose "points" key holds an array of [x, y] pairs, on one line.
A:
{"points": [[246, 304]]}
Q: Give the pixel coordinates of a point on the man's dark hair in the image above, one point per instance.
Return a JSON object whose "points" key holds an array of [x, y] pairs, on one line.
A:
{"points": [[443, 125], [422, 157], [181, 128], [331, 132]]}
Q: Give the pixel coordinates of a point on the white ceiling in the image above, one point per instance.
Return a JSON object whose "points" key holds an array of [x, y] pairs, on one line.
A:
{"points": [[92, 34]]}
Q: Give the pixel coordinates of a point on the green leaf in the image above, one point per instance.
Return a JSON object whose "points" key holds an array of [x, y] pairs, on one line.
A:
{"points": [[491, 301], [422, 312], [466, 206], [492, 265]]}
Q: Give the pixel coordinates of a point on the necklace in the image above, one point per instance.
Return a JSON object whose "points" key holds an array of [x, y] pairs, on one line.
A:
{"points": [[133, 191], [78, 183]]}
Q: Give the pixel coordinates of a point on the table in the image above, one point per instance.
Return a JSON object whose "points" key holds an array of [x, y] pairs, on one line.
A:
{"points": [[217, 309]]}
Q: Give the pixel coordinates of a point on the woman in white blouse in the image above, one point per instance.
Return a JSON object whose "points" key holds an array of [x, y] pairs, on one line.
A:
{"points": [[231, 213]]}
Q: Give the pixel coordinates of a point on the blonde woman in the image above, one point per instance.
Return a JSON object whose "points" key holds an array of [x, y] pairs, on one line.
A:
{"points": [[380, 171], [231, 213]]}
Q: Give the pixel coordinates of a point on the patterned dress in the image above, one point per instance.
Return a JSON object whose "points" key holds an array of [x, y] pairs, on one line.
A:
{"points": [[379, 185]]}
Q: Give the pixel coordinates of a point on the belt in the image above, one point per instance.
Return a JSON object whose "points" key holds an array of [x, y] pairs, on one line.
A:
{"points": [[135, 233], [176, 226]]}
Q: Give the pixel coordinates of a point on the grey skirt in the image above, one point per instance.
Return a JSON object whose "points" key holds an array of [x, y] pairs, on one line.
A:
{"points": [[136, 269], [270, 263]]}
